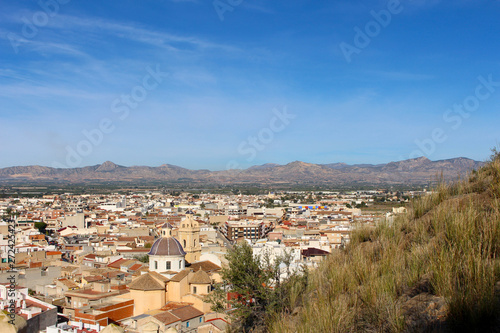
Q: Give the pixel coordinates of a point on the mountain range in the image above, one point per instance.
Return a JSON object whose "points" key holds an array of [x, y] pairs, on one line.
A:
{"points": [[412, 171]]}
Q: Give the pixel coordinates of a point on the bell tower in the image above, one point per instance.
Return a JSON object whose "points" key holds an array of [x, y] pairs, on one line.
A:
{"points": [[189, 236]]}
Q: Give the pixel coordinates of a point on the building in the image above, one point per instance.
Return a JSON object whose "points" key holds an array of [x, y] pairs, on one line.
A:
{"points": [[152, 291], [173, 317], [166, 256], [76, 220], [38, 314], [111, 311], [189, 236], [216, 325], [244, 229], [79, 300], [148, 291]]}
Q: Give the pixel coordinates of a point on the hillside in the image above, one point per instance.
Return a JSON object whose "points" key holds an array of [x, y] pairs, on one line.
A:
{"points": [[413, 171], [434, 269]]}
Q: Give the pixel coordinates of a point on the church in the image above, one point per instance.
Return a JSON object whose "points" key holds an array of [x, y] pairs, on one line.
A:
{"points": [[168, 255], [175, 272]]}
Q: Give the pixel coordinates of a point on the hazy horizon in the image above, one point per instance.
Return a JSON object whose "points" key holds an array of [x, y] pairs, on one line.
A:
{"points": [[247, 83]]}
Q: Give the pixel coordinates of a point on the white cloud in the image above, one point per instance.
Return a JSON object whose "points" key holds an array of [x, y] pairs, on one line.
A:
{"points": [[172, 42]]}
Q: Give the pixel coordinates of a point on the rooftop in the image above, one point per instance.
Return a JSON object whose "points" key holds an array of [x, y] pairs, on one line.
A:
{"points": [[147, 282]]}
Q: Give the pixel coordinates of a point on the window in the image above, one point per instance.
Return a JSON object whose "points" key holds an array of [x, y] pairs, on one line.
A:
{"points": [[184, 241], [179, 264], [208, 289], [194, 290], [156, 264], [167, 265], [187, 324], [201, 319]]}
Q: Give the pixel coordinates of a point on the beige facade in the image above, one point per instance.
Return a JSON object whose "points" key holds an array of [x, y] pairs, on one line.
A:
{"points": [[197, 302], [189, 236], [147, 300], [200, 289], [152, 291]]}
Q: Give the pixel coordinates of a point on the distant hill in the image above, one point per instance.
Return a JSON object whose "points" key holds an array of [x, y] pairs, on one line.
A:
{"points": [[412, 171]]}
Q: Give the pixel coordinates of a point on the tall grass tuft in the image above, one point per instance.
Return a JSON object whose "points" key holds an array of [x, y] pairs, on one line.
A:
{"points": [[446, 249]]}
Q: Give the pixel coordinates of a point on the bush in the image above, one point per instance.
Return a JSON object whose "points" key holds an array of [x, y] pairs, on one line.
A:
{"points": [[143, 258], [41, 226], [257, 294]]}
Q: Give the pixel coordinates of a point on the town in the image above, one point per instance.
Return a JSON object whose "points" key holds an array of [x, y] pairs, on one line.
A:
{"points": [[144, 261]]}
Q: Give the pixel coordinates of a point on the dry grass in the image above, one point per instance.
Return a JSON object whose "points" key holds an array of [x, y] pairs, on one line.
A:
{"points": [[450, 239]]}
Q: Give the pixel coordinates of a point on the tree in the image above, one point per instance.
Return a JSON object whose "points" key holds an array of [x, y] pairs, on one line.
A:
{"points": [[41, 226], [256, 290], [143, 258], [269, 203], [148, 245], [361, 205]]}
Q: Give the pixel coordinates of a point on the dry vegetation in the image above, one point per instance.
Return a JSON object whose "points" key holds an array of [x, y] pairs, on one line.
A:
{"points": [[435, 269]]}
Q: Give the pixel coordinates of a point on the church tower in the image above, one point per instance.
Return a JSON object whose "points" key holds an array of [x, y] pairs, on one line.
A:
{"points": [[189, 236]]}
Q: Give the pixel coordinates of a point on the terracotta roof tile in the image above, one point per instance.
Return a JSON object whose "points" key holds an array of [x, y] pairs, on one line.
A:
{"points": [[146, 282], [93, 278], [206, 266], [186, 313], [117, 263], [135, 267], [200, 277], [181, 275], [158, 276], [68, 283], [167, 318]]}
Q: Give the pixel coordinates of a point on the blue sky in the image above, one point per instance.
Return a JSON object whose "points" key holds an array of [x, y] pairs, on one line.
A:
{"points": [[220, 83]]}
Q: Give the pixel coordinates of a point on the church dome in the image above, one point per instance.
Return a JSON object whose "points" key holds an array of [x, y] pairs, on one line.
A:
{"points": [[6, 325], [167, 246]]}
